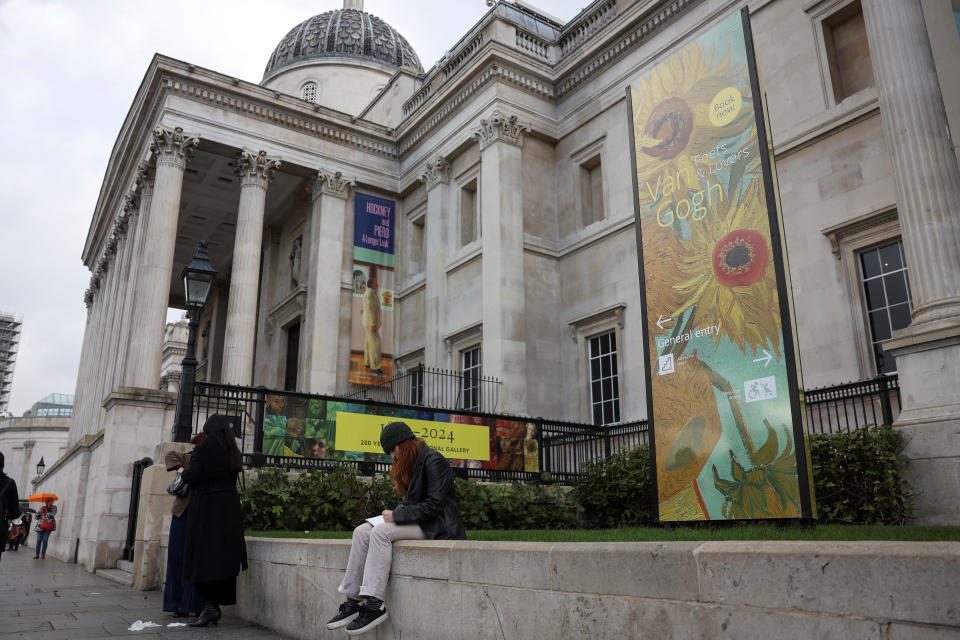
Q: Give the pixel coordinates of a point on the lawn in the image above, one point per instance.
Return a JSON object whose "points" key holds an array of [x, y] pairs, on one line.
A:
{"points": [[681, 534]]}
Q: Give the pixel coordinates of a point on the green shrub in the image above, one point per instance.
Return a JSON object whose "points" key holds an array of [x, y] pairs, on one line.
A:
{"points": [[859, 477], [615, 491], [266, 500], [514, 506]]}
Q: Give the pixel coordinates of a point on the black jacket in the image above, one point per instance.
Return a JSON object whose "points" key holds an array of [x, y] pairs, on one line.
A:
{"points": [[9, 506], [430, 500], [214, 548]]}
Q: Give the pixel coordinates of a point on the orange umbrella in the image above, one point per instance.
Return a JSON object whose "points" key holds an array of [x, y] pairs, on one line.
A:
{"points": [[42, 497]]}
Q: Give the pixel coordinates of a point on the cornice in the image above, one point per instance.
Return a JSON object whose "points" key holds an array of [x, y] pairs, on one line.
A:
{"points": [[493, 71], [288, 118], [656, 21]]}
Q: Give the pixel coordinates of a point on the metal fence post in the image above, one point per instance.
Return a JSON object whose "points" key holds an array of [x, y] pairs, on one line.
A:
{"points": [[258, 457], [883, 386]]}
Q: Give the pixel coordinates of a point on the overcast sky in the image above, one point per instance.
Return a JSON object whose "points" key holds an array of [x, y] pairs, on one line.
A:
{"points": [[70, 70]]}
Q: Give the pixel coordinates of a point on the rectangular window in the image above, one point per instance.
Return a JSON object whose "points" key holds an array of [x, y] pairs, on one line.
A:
{"points": [[470, 367], [604, 379], [468, 212], [848, 53], [886, 292], [417, 234], [591, 191], [415, 381]]}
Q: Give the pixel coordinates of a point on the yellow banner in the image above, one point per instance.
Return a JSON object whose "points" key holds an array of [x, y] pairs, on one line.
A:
{"points": [[361, 432]]}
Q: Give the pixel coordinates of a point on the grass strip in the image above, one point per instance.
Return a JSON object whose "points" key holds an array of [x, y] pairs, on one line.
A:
{"points": [[724, 532]]}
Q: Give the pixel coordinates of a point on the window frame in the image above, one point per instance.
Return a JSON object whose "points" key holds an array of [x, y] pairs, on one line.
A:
{"points": [[582, 329], [821, 12], [615, 376], [468, 178], [847, 241], [316, 91], [593, 153]]}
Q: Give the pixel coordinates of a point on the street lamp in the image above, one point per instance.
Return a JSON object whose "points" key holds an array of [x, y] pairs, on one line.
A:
{"points": [[40, 467], [197, 277]]}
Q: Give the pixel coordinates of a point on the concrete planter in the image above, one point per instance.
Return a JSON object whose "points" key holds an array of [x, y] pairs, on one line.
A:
{"points": [[466, 590]]}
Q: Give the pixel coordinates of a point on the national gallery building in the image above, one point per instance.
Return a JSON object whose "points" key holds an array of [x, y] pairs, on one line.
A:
{"points": [[507, 244]]}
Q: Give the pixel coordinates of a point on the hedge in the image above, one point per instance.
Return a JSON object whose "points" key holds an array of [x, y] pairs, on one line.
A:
{"points": [[858, 478]]}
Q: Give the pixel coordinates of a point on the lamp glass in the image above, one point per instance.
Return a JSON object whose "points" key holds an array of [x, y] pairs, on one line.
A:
{"points": [[40, 467], [196, 286]]}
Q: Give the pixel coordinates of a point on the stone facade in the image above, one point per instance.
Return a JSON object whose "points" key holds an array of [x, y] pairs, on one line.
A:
{"points": [[498, 245]]}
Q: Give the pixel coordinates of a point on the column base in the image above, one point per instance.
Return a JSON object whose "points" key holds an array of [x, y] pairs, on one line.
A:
{"points": [[928, 365]]}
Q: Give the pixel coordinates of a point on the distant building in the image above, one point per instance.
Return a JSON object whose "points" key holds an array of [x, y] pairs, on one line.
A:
{"points": [[59, 405], [9, 340], [41, 434]]}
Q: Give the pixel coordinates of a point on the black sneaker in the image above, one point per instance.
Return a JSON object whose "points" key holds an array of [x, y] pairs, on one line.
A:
{"points": [[348, 611], [372, 613]]}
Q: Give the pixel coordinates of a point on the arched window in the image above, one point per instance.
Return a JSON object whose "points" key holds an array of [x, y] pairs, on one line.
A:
{"points": [[309, 92]]}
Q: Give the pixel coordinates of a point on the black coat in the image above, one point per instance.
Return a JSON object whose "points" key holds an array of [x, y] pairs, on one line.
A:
{"points": [[214, 549], [9, 506], [430, 500]]}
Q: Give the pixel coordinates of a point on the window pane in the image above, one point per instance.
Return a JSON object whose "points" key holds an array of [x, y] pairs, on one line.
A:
{"points": [[899, 316], [597, 392], [896, 285], [597, 414], [605, 367], [879, 325], [890, 257], [595, 369], [874, 292], [871, 263]]}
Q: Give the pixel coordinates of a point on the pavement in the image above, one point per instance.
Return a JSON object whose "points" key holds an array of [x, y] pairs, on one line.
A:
{"points": [[54, 600]]}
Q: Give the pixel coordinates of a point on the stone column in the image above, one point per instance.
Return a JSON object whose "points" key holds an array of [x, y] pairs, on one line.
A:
{"points": [[928, 192], [172, 149], [436, 177], [325, 273], [256, 170], [142, 195], [504, 350]]}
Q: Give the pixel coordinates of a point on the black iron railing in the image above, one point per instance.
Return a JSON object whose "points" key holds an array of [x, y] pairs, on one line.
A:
{"points": [[137, 479], [562, 447], [845, 407], [437, 389]]}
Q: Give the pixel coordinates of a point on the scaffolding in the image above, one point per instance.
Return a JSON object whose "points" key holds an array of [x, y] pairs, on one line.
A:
{"points": [[9, 341]]}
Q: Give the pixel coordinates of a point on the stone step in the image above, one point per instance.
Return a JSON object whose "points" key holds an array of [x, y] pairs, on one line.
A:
{"points": [[125, 565], [117, 575]]}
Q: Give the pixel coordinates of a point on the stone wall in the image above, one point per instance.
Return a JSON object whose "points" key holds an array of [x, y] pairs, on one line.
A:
{"points": [[445, 589]]}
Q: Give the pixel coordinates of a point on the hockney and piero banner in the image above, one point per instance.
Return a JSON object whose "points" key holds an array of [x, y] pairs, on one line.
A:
{"points": [[371, 331], [302, 427], [722, 377]]}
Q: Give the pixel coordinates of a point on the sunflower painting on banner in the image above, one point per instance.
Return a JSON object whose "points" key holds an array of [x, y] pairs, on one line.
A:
{"points": [[722, 375]]}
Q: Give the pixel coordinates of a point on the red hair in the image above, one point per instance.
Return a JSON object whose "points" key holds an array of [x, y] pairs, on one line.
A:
{"points": [[408, 453]]}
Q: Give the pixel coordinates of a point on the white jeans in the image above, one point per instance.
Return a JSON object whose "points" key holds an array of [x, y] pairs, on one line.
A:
{"points": [[371, 552]]}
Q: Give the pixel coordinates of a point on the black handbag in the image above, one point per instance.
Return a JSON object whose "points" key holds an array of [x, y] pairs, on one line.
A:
{"points": [[178, 487]]}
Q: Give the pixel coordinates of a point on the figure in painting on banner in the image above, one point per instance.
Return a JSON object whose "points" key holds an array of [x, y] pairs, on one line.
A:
{"points": [[372, 321]]}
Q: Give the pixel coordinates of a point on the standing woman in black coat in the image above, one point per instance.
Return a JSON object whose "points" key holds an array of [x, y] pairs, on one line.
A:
{"points": [[9, 504], [215, 551], [428, 511]]}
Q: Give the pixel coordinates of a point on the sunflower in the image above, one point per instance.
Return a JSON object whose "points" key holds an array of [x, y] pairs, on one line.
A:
{"points": [[661, 255], [687, 426], [671, 119], [728, 263]]}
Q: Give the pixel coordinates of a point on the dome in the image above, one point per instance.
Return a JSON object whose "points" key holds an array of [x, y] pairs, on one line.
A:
{"points": [[344, 33]]}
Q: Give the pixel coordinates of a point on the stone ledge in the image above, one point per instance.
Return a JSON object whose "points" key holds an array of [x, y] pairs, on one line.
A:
{"points": [[468, 589]]}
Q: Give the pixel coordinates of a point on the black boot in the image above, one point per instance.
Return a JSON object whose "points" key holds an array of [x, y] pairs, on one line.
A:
{"points": [[210, 614]]}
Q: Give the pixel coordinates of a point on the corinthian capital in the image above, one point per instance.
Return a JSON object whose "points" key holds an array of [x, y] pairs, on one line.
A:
{"points": [[330, 183], [256, 169], [146, 172], [172, 147], [436, 171], [500, 127]]}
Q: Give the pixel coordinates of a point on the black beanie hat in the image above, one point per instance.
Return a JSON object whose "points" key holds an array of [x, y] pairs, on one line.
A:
{"points": [[393, 434]]}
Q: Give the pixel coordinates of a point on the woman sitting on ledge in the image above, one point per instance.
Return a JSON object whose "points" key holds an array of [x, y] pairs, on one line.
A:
{"points": [[424, 480]]}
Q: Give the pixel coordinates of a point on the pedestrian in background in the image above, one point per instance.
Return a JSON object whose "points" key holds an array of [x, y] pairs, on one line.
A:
{"points": [[46, 524], [9, 504], [215, 551], [178, 598]]}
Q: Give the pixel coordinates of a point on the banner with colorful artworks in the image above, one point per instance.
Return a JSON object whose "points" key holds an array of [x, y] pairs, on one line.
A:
{"points": [[371, 331], [301, 427], [722, 378]]}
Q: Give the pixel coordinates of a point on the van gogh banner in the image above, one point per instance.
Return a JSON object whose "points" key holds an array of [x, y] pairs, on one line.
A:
{"points": [[371, 331], [722, 382], [312, 428]]}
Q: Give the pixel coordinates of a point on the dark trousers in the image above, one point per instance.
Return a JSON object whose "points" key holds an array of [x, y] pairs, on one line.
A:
{"points": [[177, 596], [42, 538]]}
